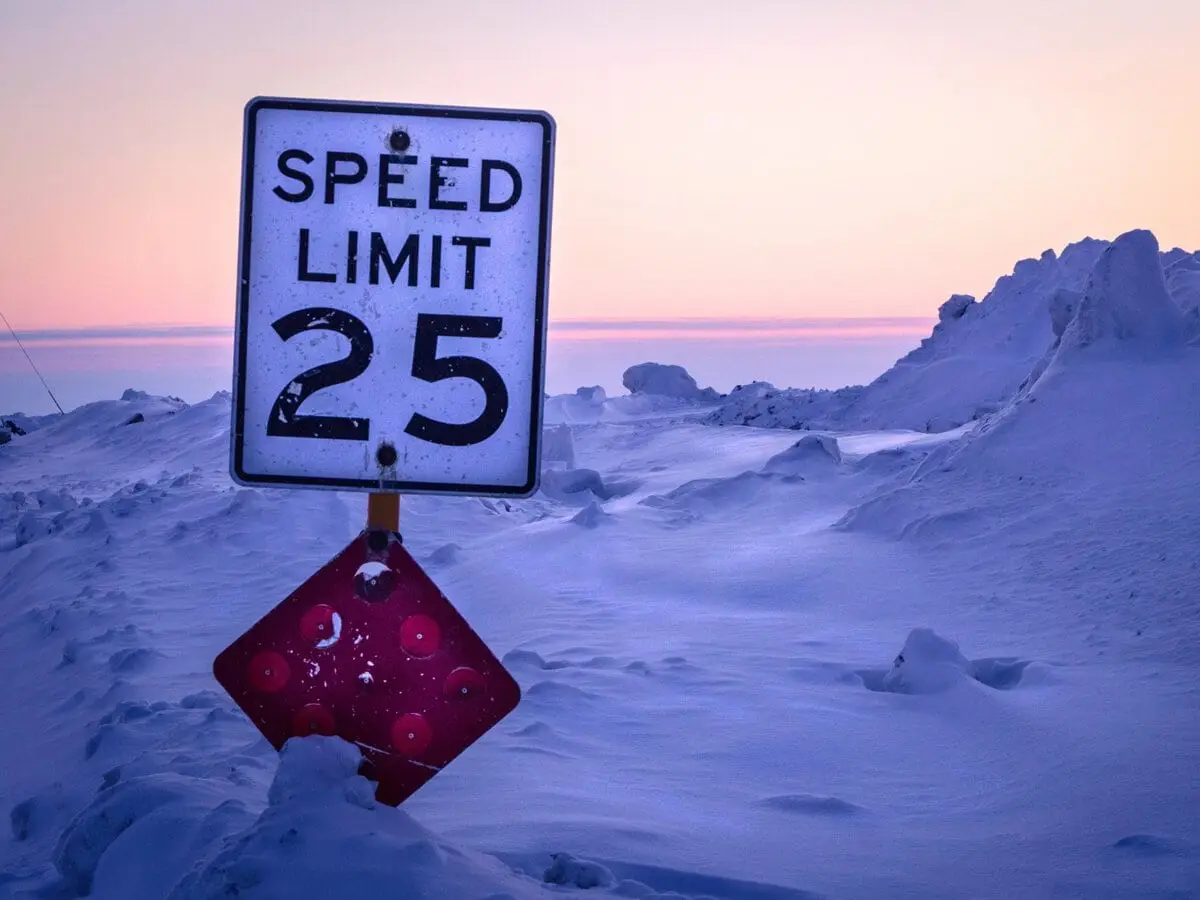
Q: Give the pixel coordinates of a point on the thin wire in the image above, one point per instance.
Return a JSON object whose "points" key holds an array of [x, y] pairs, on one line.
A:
{"points": [[35, 368]]}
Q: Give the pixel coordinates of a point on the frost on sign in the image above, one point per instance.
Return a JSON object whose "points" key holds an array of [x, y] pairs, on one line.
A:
{"points": [[392, 304]]}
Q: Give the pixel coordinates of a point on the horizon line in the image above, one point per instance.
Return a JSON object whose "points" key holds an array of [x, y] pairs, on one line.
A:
{"points": [[593, 326]]}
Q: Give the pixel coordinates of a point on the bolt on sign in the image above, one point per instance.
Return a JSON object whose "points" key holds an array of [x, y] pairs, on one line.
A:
{"points": [[391, 320], [391, 332]]}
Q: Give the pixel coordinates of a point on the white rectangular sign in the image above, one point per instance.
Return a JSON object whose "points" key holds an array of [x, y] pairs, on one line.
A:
{"points": [[391, 323]]}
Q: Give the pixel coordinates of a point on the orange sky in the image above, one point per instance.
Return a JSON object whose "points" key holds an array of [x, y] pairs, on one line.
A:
{"points": [[759, 158]]}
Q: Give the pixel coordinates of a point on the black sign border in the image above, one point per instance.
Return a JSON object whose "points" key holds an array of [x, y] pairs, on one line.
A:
{"points": [[237, 431]]}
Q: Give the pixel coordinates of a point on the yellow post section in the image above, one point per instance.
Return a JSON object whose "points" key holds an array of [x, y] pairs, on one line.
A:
{"points": [[383, 511]]}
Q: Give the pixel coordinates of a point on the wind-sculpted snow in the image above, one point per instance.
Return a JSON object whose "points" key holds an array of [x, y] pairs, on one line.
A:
{"points": [[929, 663], [656, 379], [323, 834], [1103, 432], [1182, 277], [979, 354], [654, 389], [812, 453], [585, 405], [1126, 300], [591, 405], [1064, 304], [582, 486], [14, 425]]}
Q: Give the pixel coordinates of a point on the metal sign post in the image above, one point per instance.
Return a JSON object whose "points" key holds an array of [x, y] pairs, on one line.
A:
{"points": [[383, 511], [391, 338]]}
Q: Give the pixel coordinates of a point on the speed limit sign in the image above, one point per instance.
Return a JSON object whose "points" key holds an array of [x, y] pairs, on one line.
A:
{"points": [[391, 317]]}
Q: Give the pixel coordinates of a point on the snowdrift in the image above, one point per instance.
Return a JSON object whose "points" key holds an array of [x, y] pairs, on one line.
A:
{"points": [[322, 834], [661, 380], [1182, 278], [654, 388], [18, 425], [1126, 302], [812, 453], [978, 356], [588, 404], [929, 663], [1100, 439]]}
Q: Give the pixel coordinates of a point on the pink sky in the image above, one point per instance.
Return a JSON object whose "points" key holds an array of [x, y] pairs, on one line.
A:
{"points": [[763, 159]]}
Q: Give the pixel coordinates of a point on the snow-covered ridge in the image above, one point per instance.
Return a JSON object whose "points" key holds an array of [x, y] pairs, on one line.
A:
{"points": [[1096, 453], [979, 356], [981, 353]]}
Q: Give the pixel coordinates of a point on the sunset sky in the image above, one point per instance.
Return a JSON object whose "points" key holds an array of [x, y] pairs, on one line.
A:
{"points": [[763, 158]]}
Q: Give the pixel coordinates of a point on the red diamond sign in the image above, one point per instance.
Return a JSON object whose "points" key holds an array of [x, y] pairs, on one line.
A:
{"points": [[370, 650]]}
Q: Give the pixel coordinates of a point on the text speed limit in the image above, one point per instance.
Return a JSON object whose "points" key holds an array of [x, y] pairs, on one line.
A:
{"points": [[392, 308]]}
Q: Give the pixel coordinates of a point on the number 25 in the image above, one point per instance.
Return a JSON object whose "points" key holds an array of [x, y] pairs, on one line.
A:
{"points": [[285, 420]]}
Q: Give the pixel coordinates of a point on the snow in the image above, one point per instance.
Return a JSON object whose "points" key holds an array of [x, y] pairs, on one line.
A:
{"points": [[1126, 299], [558, 447], [665, 381], [1183, 280], [1064, 303], [811, 451], [19, 425], [870, 660], [973, 362], [927, 664]]}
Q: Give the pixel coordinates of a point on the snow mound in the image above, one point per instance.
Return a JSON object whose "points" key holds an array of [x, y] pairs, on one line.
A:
{"points": [[134, 407], [955, 308], [931, 664], [587, 404], [813, 453], [19, 424], [1125, 307], [1103, 432], [1183, 280], [763, 405], [591, 516], [107, 842], [114, 437], [661, 380], [1126, 299], [323, 834], [975, 360], [928, 664]]}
